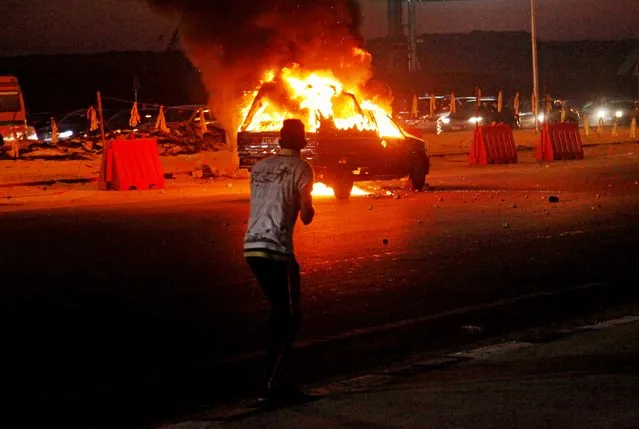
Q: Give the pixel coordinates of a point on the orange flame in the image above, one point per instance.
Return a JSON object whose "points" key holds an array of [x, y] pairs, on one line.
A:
{"points": [[314, 97], [321, 190]]}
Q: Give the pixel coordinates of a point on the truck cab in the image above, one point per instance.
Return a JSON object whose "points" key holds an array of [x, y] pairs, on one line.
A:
{"points": [[13, 117]]}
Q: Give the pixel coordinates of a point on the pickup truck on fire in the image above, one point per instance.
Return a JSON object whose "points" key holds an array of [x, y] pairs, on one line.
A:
{"points": [[340, 154]]}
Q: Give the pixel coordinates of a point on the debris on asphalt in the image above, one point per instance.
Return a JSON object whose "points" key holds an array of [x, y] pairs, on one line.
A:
{"points": [[514, 206], [242, 173], [505, 224], [385, 241], [197, 174], [471, 328], [370, 207], [553, 199]]}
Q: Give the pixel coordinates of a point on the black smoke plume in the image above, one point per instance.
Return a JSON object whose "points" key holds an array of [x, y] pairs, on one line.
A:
{"points": [[234, 43]]}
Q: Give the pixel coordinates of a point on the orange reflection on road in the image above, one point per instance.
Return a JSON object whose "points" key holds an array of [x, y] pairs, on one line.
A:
{"points": [[321, 190]]}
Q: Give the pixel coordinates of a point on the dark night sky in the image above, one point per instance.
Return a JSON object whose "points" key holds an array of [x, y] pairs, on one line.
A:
{"points": [[70, 26]]}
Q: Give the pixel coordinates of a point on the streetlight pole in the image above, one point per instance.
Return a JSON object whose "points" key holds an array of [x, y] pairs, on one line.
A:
{"points": [[413, 62], [533, 36]]}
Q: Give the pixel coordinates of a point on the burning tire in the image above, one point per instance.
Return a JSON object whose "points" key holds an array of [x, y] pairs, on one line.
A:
{"points": [[417, 175], [342, 184]]}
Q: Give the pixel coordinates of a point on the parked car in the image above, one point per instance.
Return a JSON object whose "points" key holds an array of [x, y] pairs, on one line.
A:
{"points": [[609, 111], [70, 125], [468, 115], [186, 119], [526, 119], [119, 122], [424, 121]]}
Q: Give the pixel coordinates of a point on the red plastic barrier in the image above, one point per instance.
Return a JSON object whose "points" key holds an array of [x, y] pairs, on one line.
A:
{"points": [[560, 141], [493, 144], [131, 164]]}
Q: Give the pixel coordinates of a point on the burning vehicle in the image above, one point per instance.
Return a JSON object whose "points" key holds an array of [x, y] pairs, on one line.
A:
{"points": [[347, 141]]}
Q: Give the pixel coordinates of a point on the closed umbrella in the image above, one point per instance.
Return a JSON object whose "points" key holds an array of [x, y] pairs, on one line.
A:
{"points": [[516, 104], [203, 127], [600, 126], [134, 120], [414, 110], [92, 116], [160, 123], [453, 103], [500, 102], [54, 131], [433, 102], [586, 124]]}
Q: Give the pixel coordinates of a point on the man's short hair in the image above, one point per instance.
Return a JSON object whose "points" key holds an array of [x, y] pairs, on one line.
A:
{"points": [[292, 135]]}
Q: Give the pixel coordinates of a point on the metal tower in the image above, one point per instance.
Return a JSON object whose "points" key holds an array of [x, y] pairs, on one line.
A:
{"points": [[396, 31], [413, 61]]}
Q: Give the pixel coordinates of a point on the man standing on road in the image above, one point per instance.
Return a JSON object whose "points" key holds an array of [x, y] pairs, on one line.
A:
{"points": [[280, 190]]}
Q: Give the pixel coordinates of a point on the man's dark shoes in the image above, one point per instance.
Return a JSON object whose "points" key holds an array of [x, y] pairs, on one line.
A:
{"points": [[288, 395]]}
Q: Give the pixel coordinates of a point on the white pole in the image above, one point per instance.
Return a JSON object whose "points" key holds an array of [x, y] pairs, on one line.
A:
{"points": [[533, 35]]}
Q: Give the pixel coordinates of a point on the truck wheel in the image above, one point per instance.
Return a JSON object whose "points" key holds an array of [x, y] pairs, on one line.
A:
{"points": [[343, 185], [417, 176]]}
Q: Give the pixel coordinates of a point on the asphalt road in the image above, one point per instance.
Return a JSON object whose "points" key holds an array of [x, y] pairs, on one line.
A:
{"points": [[137, 312]]}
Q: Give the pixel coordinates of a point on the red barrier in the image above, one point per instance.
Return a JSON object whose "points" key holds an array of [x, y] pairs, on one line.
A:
{"points": [[493, 144], [131, 164], [560, 141]]}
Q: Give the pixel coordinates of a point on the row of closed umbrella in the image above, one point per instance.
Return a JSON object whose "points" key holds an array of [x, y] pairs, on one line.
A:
{"points": [[134, 121], [500, 103]]}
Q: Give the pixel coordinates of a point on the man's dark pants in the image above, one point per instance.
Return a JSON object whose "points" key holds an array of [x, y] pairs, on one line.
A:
{"points": [[276, 278]]}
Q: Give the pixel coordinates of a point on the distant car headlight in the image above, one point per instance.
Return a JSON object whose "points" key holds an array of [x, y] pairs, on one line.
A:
{"points": [[618, 114], [601, 113], [475, 119], [65, 134], [446, 120]]}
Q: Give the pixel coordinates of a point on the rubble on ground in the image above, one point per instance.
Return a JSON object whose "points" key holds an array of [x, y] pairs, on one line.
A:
{"points": [[88, 148]]}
